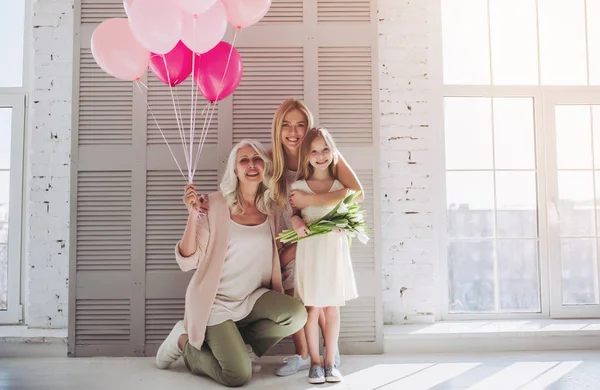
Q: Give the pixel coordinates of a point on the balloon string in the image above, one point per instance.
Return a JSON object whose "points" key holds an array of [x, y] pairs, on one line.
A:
{"points": [[192, 111], [177, 119], [179, 106], [144, 85], [159, 129], [213, 105], [205, 130], [226, 65]]}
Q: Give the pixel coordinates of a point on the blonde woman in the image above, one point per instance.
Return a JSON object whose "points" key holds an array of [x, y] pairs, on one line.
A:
{"points": [[290, 125], [235, 296]]}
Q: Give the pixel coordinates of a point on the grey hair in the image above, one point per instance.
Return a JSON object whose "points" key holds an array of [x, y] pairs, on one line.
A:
{"points": [[230, 187]]}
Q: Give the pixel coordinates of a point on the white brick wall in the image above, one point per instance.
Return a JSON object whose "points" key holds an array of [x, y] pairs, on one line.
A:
{"points": [[410, 292], [48, 158], [409, 264]]}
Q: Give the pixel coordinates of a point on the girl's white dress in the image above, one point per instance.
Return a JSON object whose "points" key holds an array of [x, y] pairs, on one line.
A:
{"points": [[324, 275]]}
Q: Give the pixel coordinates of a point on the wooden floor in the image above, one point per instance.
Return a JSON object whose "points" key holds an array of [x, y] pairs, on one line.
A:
{"points": [[42, 367]]}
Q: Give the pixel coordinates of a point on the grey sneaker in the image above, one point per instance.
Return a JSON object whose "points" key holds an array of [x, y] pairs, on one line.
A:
{"points": [[337, 362], [332, 375], [316, 375], [292, 365]]}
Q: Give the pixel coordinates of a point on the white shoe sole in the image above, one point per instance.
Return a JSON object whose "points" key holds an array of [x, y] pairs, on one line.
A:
{"points": [[316, 381], [333, 379]]}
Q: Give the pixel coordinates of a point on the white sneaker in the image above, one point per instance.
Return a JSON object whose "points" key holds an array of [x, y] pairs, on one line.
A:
{"points": [[169, 352], [292, 365], [255, 366]]}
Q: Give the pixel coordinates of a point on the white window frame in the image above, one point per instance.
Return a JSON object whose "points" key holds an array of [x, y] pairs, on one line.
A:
{"points": [[552, 100], [543, 98], [14, 312], [17, 98]]}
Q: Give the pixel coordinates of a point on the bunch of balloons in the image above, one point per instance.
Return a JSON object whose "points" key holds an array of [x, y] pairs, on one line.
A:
{"points": [[174, 38]]}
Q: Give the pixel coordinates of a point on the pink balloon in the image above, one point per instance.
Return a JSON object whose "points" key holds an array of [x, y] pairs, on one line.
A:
{"points": [[210, 70], [210, 28], [195, 7], [117, 52], [245, 13], [179, 65], [126, 5], [156, 24]]}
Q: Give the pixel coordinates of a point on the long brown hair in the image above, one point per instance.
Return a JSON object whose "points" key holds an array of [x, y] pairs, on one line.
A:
{"points": [[278, 185], [305, 170]]}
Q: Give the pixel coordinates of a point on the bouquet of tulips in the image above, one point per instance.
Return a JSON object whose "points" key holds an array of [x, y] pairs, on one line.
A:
{"points": [[345, 216]]}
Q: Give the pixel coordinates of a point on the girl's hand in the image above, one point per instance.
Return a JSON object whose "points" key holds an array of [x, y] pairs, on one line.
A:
{"points": [[190, 198], [300, 226], [299, 199]]}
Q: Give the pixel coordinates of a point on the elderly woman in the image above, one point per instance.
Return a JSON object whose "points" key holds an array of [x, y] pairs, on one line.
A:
{"points": [[235, 296]]}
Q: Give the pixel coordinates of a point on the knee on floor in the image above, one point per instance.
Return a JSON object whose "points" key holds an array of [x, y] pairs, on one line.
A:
{"points": [[238, 376]]}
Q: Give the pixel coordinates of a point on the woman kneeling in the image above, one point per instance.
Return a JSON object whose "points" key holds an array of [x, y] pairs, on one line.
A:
{"points": [[235, 296]]}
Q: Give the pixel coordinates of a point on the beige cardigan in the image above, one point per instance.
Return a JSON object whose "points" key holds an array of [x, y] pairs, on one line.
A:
{"points": [[212, 238]]}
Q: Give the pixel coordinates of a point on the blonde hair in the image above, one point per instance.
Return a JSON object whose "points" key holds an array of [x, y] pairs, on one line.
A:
{"points": [[278, 185], [305, 170], [230, 186]]}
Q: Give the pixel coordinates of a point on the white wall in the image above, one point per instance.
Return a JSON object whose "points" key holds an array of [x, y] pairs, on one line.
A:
{"points": [[48, 156], [406, 167], [407, 133]]}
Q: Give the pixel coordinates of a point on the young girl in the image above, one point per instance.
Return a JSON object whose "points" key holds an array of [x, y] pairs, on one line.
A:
{"points": [[290, 124], [324, 277]]}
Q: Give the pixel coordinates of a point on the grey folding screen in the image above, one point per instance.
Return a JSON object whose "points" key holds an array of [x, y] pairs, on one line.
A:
{"points": [[126, 290]]}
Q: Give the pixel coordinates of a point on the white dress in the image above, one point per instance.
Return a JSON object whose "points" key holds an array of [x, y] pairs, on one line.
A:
{"points": [[324, 275]]}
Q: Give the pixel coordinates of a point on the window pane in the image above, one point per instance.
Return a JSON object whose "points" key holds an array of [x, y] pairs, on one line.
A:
{"points": [[471, 275], [4, 194], [470, 200], [597, 175], [593, 25], [518, 275], [596, 132], [573, 137], [12, 29], [465, 38], [468, 133], [562, 42], [3, 277], [5, 131], [514, 42], [516, 204], [513, 133], [4, 191], [579, 274], [576, 204]]}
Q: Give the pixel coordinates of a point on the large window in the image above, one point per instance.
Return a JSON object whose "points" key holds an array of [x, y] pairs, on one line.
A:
{"points": [[12, 130], [522, 157]]}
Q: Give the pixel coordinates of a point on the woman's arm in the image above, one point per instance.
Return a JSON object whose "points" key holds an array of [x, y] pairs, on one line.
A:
{"points": [[349, 179], [190, 250], [346, 176], [300, 199], [188, 245]]}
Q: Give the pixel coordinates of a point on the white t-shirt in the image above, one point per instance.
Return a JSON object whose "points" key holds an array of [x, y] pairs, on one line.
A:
{"points": [[247, 272]]}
